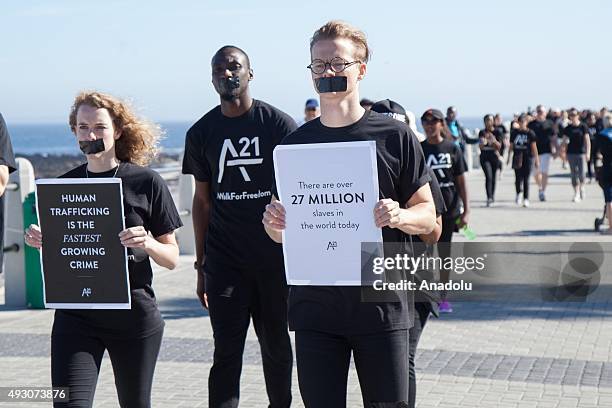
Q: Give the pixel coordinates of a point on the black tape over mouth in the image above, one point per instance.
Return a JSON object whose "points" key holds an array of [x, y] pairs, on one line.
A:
{"points": [[92, 146], [331, 84]]}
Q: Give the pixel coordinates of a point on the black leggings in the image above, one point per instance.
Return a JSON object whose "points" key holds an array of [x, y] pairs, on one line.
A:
{"points": [[490, 165], [521, 181], [420, 318], [76, 359], [381, 361]]}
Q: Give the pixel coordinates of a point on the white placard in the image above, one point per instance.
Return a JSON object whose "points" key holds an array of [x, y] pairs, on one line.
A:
{"points": [[329, 191]]}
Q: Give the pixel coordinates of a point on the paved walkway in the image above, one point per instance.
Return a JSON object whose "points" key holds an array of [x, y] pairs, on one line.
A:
{"points": [[483, 355]]}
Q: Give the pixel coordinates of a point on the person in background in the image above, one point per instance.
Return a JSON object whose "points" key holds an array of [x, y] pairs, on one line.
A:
{"points": [[523, 152], [426, 302], [547, 148], [591, 122], [446, 160], [502, 133], [576, 147], [311, 111], [366, 103], [118, 144], [603, 150], [603, 113], [457, 131], [490, 145], [7, 166]]}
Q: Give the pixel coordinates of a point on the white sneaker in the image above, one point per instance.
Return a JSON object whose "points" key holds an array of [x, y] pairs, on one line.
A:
{"points": [[526, 203], [576, 198], [518, 200]]}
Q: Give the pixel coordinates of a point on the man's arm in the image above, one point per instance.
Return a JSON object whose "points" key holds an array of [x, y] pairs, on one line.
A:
{"points": [[419, 216], [200, 214], [434, 235], [4, 177]]}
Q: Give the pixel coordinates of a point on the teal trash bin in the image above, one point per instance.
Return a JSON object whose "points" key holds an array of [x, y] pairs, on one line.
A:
{"points": [[33, 274]]}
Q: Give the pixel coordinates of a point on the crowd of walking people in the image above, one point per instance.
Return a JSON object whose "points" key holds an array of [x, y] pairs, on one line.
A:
{"points": [[239, 264]]}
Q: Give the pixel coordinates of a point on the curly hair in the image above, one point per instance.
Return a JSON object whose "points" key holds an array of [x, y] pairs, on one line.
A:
{"points": [[139, 139]]}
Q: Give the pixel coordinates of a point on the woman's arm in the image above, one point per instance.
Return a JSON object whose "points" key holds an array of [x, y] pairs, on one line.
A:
{"points": [[163, 249]]}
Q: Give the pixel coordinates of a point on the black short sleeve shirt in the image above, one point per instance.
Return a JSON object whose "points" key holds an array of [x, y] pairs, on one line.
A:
{"points": [[401, 172]]}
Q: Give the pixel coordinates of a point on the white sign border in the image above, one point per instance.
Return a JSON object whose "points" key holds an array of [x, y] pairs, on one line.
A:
{"points": [[86, 306]]}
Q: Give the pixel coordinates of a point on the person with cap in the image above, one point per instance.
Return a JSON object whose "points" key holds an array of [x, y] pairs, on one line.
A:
{"points": [[333, 322], [396, 111], [426, 302], [366, 103], [240, 272], [446, 160], [7, 166], [457, 131], [311, 111]]}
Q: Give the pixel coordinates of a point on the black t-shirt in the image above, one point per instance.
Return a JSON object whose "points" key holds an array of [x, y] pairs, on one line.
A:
{"points": [[7, 158], [544, 131], [147, 202], [575, 138], [447, 162], [603, 144], [401, 172], [521, 141], [488, 151], [234, 155]]}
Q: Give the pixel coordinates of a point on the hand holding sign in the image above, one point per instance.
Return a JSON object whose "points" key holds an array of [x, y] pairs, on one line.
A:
{"points": [[387, 213], [135, 237], [274, 216], [33, 236]]}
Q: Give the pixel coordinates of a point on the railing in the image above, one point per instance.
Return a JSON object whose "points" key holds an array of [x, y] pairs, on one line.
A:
{"points": [[22, 184]]}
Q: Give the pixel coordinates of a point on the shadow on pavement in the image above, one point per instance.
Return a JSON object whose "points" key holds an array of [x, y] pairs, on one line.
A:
{"points": [[181, 308], [481, 311]]}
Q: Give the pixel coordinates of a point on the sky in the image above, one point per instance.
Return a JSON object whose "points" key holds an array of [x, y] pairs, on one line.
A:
{"points": [[481, 56]]}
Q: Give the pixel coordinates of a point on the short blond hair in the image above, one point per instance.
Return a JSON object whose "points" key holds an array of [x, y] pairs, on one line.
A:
{"points": [[139, 139], [340, 29]]}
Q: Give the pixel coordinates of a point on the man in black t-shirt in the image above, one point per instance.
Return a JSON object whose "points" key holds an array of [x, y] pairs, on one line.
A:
{"points": [[546, 141], [240, 271], [332, 322], [7, 166]]}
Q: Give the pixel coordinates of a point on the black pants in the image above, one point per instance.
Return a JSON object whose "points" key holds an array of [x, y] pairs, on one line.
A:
{"points": [[76, 359], [521, 181], [264, 299], [420, 318], [381, 361], [490, 165]]}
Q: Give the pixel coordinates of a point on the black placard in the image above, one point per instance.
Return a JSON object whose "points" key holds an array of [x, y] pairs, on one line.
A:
{"points": [[83, 262]]}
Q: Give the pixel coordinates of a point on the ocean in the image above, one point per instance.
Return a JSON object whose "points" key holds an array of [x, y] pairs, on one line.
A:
{"points": [[56, 138]]}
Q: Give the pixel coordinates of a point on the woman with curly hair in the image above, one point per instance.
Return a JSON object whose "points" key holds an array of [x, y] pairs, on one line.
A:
{"points": [[117, 144]]}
